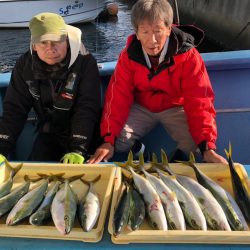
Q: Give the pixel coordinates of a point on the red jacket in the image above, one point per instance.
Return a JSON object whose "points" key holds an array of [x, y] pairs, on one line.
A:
{"points": [[180, 80]]}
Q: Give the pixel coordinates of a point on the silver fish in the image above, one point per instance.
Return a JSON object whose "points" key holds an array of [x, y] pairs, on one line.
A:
{"points": [[153, 202], [214, 214], [63, 208], [121, 213], [42, 214], [89, 209], [6, 186], [240, 191], [8, 201], [27, 204], [137, 210], [236, 219], [191, 209], [173, 211]]}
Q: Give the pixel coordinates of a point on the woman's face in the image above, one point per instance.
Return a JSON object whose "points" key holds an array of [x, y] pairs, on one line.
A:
{"points": [[153, 36], [51, 52]]}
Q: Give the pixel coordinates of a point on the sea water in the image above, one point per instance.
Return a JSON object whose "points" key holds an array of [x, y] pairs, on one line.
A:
{"points": [[104, 40]]}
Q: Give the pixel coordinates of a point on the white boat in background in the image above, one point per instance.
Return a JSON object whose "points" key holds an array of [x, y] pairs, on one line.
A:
{"points": [[17, 13]]}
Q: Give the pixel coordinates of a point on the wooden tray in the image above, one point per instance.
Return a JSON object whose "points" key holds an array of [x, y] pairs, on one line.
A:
{"points": [[219, 173], [103, 187]]}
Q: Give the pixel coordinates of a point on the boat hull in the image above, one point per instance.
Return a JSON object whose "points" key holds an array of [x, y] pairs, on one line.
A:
{"points": [[17, 14], [225, 22]]}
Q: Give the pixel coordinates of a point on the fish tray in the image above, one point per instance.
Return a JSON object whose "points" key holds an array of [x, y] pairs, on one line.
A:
{"points": [[217, 172], [103, 187]]}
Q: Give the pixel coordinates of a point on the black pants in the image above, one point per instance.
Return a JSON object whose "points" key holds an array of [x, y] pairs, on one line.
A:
{"points": [[48, 148]]}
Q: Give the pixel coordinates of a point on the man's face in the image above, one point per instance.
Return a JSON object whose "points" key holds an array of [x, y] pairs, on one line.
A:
{"points": [[153, 36], [51, 52]]}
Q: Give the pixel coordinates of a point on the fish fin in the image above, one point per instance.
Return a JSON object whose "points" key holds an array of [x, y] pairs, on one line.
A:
{"points": [[129, 161], [201, 200], [43, 175], [191, 162], [75, 177], [26, 178], [164, 158], [17, 168], [154, 158], [192, 158], [126, 174], [88, 182], [141, 160], [173, 196], [229, 152]]}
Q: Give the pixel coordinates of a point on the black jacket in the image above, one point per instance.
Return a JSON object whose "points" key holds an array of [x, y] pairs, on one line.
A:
{"points": [[66, 103]]}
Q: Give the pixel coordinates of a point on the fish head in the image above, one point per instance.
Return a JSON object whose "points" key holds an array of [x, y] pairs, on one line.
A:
{"points": [[37, 218], [68, 224], [194, 224]]}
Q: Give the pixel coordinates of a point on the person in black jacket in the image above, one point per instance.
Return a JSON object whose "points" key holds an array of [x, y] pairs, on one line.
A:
{"points": [[60, 80]]}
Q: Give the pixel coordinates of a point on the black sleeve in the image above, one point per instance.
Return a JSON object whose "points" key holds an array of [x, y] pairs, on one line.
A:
{"points": [[16, 106], [86, 110]]}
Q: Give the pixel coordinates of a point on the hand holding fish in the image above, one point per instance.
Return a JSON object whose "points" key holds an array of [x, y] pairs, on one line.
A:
{"points": [[211, 156]]}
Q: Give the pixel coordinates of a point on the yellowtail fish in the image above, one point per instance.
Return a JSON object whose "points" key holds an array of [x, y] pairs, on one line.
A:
{"points": [[153, 202], [173, 211], [121, 213], [64, 206], [214, 214], [6, 185], [232, 211], [42, 214], [27, 204], [89, 207], [241, 193], [136, 209], [9, 201], [190, 207]]}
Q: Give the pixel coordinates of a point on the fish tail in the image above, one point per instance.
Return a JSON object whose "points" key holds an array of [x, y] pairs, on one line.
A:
{"points": [[75, 177], [88, 182], [191, 162], [12, 170], [229, 152], [164, 158], [154, 158]]}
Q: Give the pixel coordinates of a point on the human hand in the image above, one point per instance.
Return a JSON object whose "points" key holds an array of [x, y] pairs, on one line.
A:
{"points": [[72, 158], [104, 152], [2, 158], [211, 156]]}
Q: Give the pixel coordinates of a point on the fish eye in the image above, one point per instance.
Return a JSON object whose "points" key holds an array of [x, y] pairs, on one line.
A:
{"points": [[215, 224], [172, 225], [66, 218], [155, 225], [194, 224], [239, 224]]}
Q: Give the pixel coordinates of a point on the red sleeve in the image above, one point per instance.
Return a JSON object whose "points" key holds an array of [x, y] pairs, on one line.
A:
{"points": [[119, 97], [198, 100]]}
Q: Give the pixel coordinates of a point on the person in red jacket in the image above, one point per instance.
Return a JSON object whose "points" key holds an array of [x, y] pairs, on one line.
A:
{"points": [[160, 77]]}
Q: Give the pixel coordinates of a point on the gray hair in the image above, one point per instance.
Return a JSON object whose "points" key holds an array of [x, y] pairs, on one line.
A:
{"points": [[151, 10]]}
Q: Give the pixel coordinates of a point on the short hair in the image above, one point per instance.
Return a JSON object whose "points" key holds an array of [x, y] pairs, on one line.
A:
{"points": [[151, 10]]}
